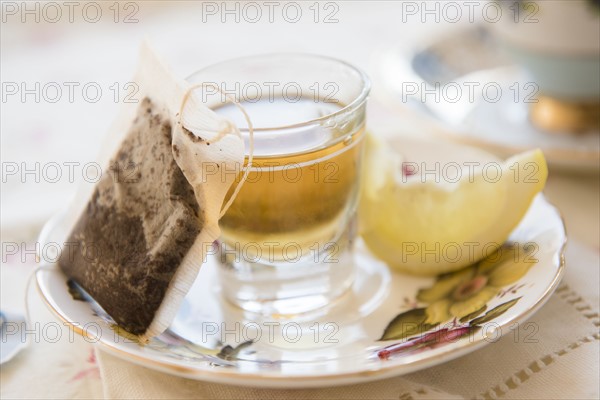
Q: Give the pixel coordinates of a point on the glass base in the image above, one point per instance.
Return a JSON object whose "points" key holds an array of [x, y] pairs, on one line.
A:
{"points": [[286, 289]]}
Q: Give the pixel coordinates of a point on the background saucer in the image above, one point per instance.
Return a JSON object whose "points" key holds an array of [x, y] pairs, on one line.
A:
{"points": [[497, 118]]}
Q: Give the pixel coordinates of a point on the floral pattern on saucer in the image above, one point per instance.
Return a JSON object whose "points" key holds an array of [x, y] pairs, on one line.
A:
{"points": [[460, 299]]}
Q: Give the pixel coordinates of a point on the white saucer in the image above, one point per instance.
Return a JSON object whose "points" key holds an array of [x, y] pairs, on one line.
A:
{"points": [[496, 119], [209, 339]]}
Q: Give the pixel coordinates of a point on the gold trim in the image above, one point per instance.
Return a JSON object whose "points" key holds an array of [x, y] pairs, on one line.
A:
{"points": [[564, 117], [253, 379]]}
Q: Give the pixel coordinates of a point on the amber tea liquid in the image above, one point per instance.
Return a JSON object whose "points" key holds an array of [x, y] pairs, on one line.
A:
{"points": [[301, 188]]}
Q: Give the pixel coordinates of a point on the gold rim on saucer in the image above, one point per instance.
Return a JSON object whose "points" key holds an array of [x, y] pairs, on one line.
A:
{"points": [[559, 116]]}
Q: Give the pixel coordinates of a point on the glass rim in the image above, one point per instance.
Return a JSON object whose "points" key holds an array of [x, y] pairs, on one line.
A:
{"points": [[354, 104]]}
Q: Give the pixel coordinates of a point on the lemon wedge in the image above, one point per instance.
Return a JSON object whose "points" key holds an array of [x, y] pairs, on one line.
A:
{"points": [[430, 207]]}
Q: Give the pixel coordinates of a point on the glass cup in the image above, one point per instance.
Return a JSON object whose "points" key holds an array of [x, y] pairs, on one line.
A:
{"points": [[286, 242]]}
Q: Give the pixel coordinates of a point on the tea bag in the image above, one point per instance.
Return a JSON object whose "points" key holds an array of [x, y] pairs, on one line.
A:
{"points": [[143, 234]]}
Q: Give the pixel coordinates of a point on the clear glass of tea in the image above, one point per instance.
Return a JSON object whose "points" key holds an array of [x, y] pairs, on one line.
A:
{"points": [[286, 241]]}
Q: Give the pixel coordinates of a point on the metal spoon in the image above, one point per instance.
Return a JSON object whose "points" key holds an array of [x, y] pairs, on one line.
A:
{"points": [[12, 339]]}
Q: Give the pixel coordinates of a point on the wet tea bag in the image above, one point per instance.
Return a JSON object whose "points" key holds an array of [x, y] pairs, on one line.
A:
{"points": [[143, 233]]}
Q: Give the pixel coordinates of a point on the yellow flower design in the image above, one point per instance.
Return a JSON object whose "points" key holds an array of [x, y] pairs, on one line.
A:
{"points": [[464, 294]]}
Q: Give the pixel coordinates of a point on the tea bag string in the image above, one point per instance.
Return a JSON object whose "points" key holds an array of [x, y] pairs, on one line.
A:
{"points": [[222, 134]]}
